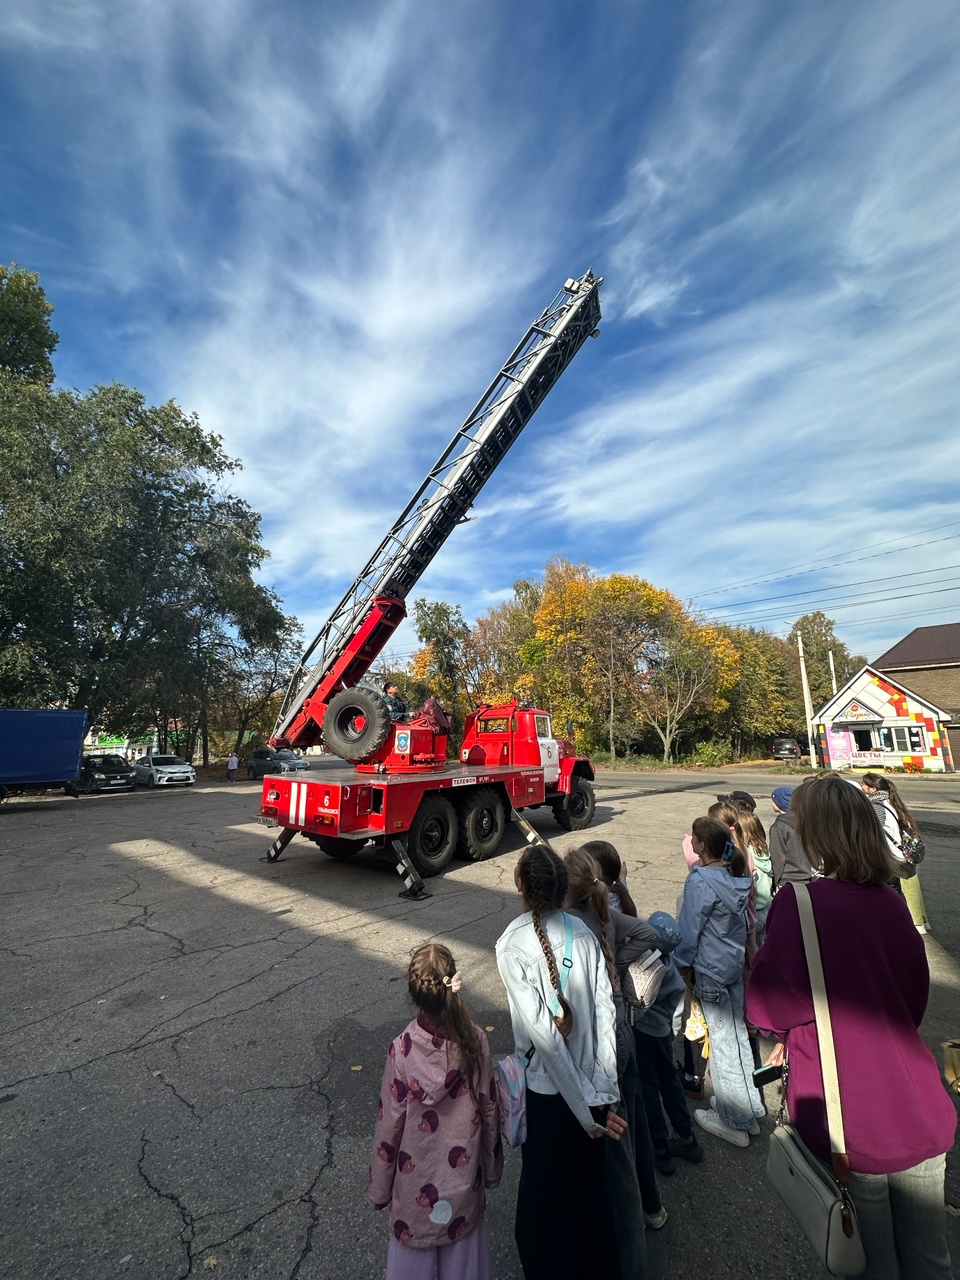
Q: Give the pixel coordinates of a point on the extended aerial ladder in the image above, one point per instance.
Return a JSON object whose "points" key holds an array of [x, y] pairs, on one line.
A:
{"points": [[371, 610]]}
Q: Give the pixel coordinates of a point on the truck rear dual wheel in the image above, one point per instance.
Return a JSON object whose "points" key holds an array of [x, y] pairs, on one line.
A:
{"points": [[337, 847], [482, 822], [356, 723], [577, 811], [432, 839]]}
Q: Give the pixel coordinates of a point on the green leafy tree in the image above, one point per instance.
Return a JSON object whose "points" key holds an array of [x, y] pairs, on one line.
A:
{"points": [[686, 668], [819, 641], [439, 666], [765, 699], [124, 566], [26, 339]]}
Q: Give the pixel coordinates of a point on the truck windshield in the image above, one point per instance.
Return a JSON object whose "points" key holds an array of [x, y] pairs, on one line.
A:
{"points": [[494, 724]]}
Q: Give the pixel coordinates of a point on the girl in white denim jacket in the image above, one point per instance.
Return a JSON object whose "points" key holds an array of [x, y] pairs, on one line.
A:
{"points": [[571, 1078]]}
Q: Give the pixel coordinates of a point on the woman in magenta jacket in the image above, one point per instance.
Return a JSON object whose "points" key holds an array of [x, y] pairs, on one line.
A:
{"points": [[897, 1117]]}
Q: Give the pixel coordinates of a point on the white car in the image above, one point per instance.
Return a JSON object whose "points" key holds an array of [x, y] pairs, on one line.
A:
{"points": [[164, 771]]}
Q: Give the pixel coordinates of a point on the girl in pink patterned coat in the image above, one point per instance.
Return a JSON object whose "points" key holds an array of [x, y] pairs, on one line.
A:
{"points": [[437, 1144]]}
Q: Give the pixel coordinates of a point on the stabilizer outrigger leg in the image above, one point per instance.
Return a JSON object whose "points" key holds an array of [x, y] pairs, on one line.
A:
{"points": [[531, 835], [416, 890], [278, 846]]}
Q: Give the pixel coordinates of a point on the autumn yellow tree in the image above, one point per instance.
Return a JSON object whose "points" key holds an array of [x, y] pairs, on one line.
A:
{"points": [[622, 615], [688, 666]]}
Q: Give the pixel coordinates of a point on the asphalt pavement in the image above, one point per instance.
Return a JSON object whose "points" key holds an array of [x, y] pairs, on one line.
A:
{"points": [[192, 1039]]}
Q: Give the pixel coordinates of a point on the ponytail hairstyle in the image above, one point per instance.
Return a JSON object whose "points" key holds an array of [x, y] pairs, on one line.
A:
{"points": [[434, 985], [542, 879], [730, 816], [754, 836], [892, 796], [716, 838], [587, 891], [609, 861]]}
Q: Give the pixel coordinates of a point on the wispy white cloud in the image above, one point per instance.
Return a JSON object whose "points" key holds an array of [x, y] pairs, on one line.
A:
{"points": [[324, 236]]}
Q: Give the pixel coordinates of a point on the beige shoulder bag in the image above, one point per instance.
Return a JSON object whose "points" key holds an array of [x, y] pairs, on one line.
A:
{"points": [[816, 1195]]}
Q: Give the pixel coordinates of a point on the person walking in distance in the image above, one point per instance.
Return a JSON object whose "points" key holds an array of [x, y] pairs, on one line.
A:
{"points": [[564, 1223], [232, 765], [437, 1146]]}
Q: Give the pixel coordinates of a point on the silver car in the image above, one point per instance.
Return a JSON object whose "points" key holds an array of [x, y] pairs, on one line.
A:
{"points": [[164, 771]]}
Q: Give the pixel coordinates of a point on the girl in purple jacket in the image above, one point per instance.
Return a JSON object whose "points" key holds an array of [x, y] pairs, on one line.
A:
{"points": [[437, 1144], [897, 1118]]}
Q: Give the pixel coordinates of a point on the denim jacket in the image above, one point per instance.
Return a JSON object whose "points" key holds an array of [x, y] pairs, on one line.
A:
{"points": [[713, 924]]}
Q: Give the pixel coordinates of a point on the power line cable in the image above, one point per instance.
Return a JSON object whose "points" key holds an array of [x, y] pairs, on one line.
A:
{"points": [[785, 574], [917, 573], [859, 604], [899, 617]]}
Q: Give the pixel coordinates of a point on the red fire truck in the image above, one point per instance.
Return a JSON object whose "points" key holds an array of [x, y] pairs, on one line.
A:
{"points": [[401, 792]]}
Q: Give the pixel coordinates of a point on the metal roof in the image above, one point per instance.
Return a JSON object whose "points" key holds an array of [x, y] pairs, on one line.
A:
{"points": [[923, 647]]}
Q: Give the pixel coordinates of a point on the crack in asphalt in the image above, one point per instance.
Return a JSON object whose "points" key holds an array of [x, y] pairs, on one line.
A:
{"points": [[167, 1084], [139, 1045], [306, 1197], [188, 1231]]}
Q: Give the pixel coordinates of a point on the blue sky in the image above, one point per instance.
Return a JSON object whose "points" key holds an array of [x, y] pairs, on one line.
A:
{"points": [[323, 227]]}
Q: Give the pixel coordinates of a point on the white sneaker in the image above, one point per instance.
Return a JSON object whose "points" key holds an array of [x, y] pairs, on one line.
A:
{"points": [[710, 1121], [655, 1220], [754, 1130]]}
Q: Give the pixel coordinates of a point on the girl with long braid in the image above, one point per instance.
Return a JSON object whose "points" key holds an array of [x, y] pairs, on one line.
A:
{"points": [[437, 1145], [631, 1177], [564, 1224]]}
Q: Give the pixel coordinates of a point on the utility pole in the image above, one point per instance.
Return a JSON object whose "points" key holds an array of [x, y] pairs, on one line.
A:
{"points": [[807, 702], [833, 672]]}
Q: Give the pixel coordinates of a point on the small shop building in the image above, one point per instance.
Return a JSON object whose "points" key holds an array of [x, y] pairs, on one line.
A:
{"points": [[928, 662], [874, 722]]}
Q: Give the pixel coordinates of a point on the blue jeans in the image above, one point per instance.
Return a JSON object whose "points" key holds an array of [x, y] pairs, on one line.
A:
{"points": [[731, 1057], [902, 1222]]}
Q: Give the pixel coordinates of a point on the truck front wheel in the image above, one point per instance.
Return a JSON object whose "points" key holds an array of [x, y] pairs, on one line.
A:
{"points": [[576, 812], [482, 823], [433, 835]]}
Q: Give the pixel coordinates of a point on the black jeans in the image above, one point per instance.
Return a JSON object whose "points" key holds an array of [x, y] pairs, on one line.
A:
{"points": [[662, 1090], [565, 1224]]}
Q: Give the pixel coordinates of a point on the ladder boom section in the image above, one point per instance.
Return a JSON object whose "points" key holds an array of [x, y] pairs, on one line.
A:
{"points": [[438, 506]]}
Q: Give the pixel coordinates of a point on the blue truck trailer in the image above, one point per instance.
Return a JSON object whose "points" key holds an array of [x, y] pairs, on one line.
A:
{"points": [[40, 750]]}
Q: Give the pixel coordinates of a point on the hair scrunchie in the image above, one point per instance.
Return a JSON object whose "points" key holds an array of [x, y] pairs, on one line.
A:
{"points": [[454, 983]]}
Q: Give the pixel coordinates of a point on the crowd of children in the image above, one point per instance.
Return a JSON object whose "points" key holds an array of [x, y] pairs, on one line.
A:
{"points": [[606, 1100]]}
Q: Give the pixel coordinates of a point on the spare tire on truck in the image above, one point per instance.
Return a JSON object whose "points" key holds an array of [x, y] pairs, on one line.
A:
{"points": [[356, 723]]}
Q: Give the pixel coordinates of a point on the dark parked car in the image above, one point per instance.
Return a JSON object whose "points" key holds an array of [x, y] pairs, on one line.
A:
{"points": [[786, 749], [105, 772], [265, 760]]}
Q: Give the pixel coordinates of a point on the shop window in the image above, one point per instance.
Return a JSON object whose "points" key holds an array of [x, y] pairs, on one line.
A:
{"points": [[863, 739], [907, 740]]}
